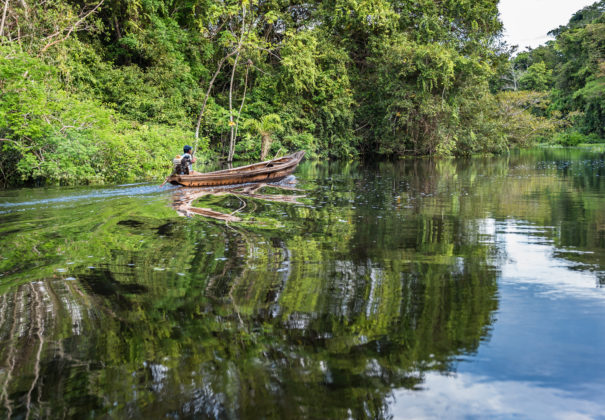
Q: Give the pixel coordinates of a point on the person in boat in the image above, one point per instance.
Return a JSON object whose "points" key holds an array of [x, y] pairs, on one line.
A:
{"points": [[185, 165]]}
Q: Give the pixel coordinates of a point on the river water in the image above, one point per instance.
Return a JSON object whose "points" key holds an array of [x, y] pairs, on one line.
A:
{"points": [[416, 289]]}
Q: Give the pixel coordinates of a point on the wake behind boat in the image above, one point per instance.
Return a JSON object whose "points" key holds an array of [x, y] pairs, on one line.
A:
{"points": [[268, 171]]}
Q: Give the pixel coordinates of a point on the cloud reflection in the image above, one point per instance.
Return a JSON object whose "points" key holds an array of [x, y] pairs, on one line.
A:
{"points": [[531, 259], [466, 395]]}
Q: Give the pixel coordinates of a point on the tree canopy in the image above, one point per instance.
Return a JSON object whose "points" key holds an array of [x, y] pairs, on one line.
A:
{"points": [[108, 90], [572, 69]]}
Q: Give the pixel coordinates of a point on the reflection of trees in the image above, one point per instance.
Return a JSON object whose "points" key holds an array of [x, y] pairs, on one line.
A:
{"points": [[315, 311], [285, 322], [558, 188], [33, 338]]}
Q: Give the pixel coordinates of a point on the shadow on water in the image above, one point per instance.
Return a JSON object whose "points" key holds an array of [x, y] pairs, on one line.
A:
{"points": [[309, 307]]}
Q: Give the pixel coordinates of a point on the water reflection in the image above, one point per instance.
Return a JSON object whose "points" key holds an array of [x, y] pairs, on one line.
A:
{"points": [[532, 258], [379, 278], [460, 396], [186, 200]]}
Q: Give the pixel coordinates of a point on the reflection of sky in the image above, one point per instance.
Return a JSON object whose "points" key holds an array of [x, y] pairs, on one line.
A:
{"points": [[544, 357], [531, 261], [466, 395]]}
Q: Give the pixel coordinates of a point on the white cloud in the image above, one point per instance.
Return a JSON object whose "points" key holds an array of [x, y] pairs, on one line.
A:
{"points": [[527, 22]]}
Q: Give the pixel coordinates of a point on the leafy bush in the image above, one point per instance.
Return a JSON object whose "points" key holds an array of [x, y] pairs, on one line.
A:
{"points": [[575, 138], [51, 136]]}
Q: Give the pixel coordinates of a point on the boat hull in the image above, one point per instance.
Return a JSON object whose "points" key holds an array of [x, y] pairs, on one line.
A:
{"points": [[268, 171]]}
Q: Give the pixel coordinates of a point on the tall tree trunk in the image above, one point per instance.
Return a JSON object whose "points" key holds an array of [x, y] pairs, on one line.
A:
{"points": [[231, 122], [239, 114], [3, 17], [201, 114], [264, 146]]}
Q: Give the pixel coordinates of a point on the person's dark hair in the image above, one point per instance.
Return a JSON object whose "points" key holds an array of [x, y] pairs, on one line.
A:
{"points": [[187, 149]]}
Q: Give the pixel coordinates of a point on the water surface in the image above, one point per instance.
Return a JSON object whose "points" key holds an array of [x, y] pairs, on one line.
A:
{"points": [[427, 289]]}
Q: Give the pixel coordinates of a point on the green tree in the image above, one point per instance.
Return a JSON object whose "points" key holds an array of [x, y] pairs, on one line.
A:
{"points": [[537, 77], [580, 81], [346, 78], [266, 127], [573, 67]]}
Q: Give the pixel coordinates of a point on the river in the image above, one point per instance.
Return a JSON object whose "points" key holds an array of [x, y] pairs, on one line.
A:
{"points": [[468, 288]]}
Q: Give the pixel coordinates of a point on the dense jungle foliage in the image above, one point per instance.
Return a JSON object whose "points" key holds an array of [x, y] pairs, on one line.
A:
{"points": [[571, 70], [109, 90]]}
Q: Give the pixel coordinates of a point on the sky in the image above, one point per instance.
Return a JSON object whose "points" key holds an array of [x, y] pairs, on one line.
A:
{"points": [[527, 22]]}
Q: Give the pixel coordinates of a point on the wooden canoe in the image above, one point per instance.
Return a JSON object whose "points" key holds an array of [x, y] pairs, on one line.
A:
{"points": [[268, 171]]}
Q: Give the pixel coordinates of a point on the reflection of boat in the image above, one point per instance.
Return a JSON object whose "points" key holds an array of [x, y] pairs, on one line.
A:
{"points": [[184, 198], [268, 171]]}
